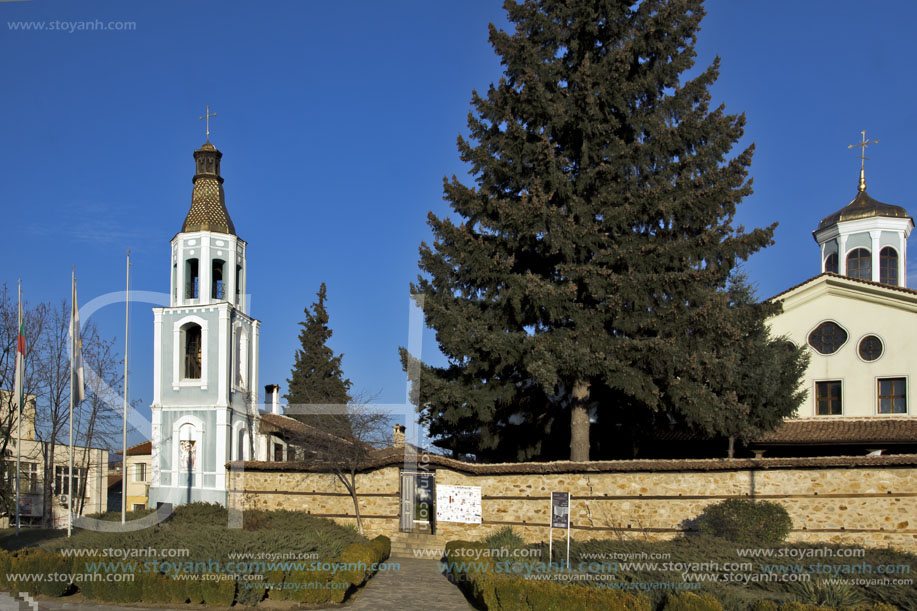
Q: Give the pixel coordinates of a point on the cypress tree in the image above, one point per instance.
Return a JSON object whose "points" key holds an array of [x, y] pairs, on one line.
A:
{"points": [[584, 278], [316, 376]]}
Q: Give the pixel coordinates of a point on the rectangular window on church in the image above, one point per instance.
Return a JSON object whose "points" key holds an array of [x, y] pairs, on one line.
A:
{"points": [[828, 398], [893, 396]]}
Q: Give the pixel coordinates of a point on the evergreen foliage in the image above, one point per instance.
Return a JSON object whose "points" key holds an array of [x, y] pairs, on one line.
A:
{"points": [[745, 521], [584, 285], [316, 376]]}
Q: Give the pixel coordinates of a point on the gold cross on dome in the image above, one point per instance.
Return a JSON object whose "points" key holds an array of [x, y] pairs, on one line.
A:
{"points": [[209, 114], [862, 146]]}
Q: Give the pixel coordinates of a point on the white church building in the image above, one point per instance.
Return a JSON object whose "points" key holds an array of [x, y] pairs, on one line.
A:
{"points": [[858, 319], [205, 381]]}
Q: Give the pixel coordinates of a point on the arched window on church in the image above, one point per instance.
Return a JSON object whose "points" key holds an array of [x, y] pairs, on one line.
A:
{"points": [[888, 266], [238, 284], [831, 263], [859, 264], [217, 286], [191, 336], [240, 448], [192, 279]]}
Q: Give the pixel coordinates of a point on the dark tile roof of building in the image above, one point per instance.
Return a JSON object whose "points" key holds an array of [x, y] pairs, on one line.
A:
{"points": [[828, 430], [397, 456], [140, 449]]}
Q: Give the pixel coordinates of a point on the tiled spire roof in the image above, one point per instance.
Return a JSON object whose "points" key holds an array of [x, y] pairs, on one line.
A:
{"points": [[208, 202]]}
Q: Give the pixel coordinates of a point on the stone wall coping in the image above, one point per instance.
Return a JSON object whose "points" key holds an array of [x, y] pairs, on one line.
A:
{"points": [[391, 457]]}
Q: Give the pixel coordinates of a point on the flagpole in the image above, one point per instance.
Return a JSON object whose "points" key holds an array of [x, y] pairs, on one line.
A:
{"points": [[20, 368], [73, 335], [127, 298]]}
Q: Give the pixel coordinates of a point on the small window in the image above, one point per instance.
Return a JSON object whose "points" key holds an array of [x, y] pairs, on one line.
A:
{"points": [[831, 263], [278, 452], [888, 266], [893, 396], [828, 337], [828, 398], [140, 472], [138, 507], [859, 264], [870, 348]]}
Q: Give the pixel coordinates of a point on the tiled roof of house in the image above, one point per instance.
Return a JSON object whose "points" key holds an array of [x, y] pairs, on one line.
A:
{"points": [[839, 430], [141, 449]]}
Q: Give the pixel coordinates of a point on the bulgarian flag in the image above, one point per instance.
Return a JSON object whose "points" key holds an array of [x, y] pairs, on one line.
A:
{"points": [[20, 360]]}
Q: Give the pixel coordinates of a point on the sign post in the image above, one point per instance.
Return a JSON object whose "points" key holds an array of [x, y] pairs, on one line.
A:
{"points": [[560, 518]]}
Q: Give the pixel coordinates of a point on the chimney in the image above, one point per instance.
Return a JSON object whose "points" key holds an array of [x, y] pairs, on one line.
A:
{"points": [[272, 394], [398, 436]]}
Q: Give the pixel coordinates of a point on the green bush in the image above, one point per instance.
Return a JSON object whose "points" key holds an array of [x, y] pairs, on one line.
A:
{"points": [[746, 521], [39, 561], [689, 601], [505, 593], [5, 558], [821, 592], [764, 605], [506, 537], [216, 591]]}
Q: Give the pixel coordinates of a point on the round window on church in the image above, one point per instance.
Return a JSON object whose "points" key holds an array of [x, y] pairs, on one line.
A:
{"points": [[828, 337], [870, 348]]}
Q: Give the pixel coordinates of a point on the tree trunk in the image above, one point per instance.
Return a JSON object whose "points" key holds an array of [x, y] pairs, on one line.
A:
{"points": [[732, 446], [351, 487], [579, 422]]}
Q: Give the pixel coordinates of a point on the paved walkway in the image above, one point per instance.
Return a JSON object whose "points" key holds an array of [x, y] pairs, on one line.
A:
{"points": [[415, 585]]}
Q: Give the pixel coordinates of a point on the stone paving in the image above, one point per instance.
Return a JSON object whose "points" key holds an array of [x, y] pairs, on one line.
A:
{"points": [[418, 585]]}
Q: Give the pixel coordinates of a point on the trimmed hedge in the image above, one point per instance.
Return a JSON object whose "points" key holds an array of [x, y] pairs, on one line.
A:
{"points": [[689, 601], [505, 593], [322, 586], [325, 586]]}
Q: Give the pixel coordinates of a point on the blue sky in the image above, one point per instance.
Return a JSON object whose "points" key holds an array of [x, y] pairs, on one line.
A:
{"points": [[338, 122]]}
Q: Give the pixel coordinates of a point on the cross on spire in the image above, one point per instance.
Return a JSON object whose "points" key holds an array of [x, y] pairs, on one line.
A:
{"points": [[862, 146], [209, 114]]}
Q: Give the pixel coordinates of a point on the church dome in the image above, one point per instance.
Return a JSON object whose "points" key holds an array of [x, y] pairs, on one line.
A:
{"points": [[862, 206], [208, 201]]}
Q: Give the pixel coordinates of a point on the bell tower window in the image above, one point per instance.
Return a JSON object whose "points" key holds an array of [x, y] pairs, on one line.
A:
{"points": [[859, 264], [192, 279], [192, 351], [218, 286], [831, 263], [888, 266]]}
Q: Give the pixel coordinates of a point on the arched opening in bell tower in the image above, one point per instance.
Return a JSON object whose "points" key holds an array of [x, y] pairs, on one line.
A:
{"points": [[217, 285]]}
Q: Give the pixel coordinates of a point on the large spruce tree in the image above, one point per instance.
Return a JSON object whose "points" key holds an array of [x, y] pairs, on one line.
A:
{"points": [[586, 280], [316, 376]]}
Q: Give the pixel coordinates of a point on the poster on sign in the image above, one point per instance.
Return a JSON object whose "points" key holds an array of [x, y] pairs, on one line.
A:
{"points": [[560, 509], [458, 504]]}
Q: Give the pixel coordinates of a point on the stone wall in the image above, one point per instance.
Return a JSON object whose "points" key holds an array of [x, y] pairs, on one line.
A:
{"points": [[873, 506]]}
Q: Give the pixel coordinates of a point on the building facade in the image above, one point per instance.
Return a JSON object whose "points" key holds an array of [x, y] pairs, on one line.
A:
{"points": [[46, 491], [858, 320], [205, 377]]}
